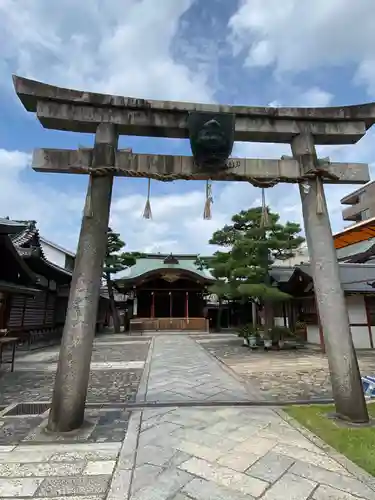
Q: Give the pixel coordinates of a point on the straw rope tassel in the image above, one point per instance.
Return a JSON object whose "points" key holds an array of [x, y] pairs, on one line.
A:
{"points": [[319, 196], [87, 211], [264, 218], [207, 215], [147, 213]]}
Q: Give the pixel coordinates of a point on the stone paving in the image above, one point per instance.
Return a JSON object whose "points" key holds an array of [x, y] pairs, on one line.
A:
{"points": [[102, 425], [282, 375], [181, 371], [75, 471], [228, 453], [174, 452], [35, 463], [220, 453]]}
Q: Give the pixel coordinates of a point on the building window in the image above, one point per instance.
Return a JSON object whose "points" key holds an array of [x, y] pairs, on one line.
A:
{"points": [[370, 307], [69, 262], [365, 214], [307, 311]]}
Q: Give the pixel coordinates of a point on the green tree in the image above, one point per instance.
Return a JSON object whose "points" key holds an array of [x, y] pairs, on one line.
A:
{"points": [[116, 261], [242, 271], [218, 266]]}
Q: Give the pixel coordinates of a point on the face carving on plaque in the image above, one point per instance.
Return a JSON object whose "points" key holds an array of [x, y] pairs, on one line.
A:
{"points": [[211, 138], [212, 143]]}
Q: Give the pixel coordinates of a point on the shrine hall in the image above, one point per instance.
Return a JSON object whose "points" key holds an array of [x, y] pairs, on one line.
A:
{"points": [[166, 292]]}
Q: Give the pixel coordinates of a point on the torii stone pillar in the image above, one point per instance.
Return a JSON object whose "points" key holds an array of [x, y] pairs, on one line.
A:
{"points": [[343, 365], [72, 377]]}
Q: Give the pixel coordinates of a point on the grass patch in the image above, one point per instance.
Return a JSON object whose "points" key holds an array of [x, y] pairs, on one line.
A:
{"points": [[358, 444]]}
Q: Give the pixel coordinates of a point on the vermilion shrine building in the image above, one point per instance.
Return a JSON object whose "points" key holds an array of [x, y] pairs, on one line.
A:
{"points": [[166, 292]]}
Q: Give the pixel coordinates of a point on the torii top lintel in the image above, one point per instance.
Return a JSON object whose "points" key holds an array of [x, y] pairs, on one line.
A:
{"points": [[72, 110]]}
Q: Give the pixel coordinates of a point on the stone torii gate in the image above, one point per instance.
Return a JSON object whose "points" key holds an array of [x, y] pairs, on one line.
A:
{"points": [[108, 116]]}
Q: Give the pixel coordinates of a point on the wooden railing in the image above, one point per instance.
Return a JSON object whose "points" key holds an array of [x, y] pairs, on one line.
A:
{"points": [[171, 324]]}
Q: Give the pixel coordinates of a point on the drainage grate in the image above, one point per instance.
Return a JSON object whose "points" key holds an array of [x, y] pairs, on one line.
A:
{"points": [[104, 406], [27, 409], [24, 409]]}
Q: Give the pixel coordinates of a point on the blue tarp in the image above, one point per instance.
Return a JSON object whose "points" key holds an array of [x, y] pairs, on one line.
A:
{"points": [[368, 384]]}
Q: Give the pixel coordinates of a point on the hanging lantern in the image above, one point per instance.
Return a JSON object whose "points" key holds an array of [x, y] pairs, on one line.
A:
{"points": [[147, 213]]}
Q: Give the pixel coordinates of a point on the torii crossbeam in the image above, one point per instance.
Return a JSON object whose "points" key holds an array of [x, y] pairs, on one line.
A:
{"points": [[165, 167]]}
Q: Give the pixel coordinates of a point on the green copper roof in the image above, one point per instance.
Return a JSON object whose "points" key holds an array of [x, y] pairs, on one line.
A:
{"points": [[154, 262]]}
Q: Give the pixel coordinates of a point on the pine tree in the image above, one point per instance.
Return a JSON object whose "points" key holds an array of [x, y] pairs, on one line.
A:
{"points": [[116, 261], [242, 271]]}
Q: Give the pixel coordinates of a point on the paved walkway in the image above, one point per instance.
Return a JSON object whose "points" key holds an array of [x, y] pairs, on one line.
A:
{"points": [[181, 370], [174, 452], [218, 453], [78, 465]]}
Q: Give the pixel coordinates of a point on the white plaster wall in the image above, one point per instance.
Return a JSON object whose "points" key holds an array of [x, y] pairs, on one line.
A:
{"points": [[279, 321], [360, 336], [356, 308], [357, 314], [302, 255], [53, 254], [313, 336]]}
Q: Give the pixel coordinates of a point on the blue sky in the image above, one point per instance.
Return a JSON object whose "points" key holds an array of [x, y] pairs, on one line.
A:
{"points": [[254, 52]]}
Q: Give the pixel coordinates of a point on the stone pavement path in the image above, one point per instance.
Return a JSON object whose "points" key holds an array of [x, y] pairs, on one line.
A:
{"points": [[183, 453], [79, 465], [219, 453], [180, 370]]}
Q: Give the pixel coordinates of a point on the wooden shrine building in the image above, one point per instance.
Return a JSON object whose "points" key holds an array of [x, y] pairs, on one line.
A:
{"points": [[29, 283], [166, 292], [16, 278], [34, 290], [358, 284]]}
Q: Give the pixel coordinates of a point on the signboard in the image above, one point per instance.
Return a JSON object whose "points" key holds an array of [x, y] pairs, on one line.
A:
{"points": [[24, 252], [42, 281]]}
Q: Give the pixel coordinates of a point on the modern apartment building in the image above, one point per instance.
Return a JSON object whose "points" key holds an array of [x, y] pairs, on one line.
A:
{"points": [[361, 203]]}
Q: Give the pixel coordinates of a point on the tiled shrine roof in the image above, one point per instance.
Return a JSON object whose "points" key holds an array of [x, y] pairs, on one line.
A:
{"points": [[28, 238], [161, 262], [354, 277]]}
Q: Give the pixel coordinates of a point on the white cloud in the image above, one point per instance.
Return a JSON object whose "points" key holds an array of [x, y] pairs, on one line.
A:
{"points": [[315, 97], [296, 36], [40, 202], [311, 97], [117, 46], [125, 47]]}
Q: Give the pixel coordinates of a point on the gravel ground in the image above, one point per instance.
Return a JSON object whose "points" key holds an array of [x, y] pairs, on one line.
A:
{"points": [[283, 375], [34, 380], [110, 386]]}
